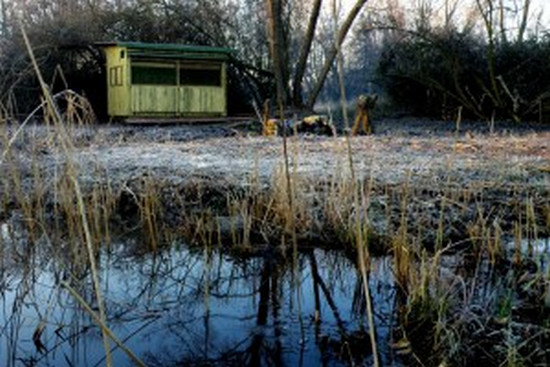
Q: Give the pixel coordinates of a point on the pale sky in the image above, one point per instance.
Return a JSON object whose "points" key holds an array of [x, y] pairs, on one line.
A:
{"points": [[536, 7]]}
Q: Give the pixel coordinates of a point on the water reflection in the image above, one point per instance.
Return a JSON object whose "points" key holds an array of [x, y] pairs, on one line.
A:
{"points": [[196, 307]]}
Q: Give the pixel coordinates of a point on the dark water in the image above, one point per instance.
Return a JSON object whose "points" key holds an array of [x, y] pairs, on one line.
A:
{"points": [[190, 307]]}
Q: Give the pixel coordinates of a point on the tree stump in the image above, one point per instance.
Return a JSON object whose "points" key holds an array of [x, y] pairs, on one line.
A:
{"points": [[364, 104]]}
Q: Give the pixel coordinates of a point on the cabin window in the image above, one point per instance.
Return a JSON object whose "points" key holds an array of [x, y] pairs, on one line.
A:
{"points": [[157, 74], [201, 75], [115, 76], [122, 54]]}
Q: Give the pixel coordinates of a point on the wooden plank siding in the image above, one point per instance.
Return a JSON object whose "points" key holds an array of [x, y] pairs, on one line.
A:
{"points": [[182, 101], [156, 100]]}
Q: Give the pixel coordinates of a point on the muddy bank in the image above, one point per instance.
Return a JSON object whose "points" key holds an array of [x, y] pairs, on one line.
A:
{"points": [[419, 171]]}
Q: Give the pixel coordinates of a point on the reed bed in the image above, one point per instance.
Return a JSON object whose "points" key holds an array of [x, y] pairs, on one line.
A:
{"points": [[78, 186]]}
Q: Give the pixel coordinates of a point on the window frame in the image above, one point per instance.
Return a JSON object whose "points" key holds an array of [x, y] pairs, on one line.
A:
{"points": [[146, 64], [203, 67], [115, 76]]}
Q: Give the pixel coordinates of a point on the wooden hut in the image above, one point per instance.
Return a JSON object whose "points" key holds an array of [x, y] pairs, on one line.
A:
{"points": [[165, 80]]}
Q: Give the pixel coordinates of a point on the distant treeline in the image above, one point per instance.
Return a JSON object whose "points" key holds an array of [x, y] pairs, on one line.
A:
{"points": [[416, 65], [436, 72]]}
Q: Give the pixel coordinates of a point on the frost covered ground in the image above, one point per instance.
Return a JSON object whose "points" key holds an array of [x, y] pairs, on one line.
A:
{"points": [[428, 152], [497, 172]]}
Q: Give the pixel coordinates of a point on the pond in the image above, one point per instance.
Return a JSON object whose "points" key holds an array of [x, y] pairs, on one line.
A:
{"points": [[188, 306]]}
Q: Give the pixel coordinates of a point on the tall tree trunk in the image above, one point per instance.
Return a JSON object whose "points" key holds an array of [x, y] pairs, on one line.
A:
{"points": [[304, 53], [524, 19], [334, 51], [3, 26], [276, 43], [447, 15], [274, 10], [487, 16], [503, 37]]}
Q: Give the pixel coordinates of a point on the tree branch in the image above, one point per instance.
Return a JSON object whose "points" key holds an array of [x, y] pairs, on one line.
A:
{"points": [[334, 51]]}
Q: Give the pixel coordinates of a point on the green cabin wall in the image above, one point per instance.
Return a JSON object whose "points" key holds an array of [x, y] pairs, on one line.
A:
{"points": [[126, 99]]}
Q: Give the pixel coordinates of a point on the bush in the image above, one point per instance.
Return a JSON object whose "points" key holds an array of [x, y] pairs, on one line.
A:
{"points": [[433, 73]]}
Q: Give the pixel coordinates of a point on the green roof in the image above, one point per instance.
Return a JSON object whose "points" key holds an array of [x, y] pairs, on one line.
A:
{"points": [[171, 50], [174, 47]]}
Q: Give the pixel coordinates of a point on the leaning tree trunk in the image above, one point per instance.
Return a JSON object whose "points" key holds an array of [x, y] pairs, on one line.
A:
{"points": [[304, 53], [334, 51], [524, 19]]}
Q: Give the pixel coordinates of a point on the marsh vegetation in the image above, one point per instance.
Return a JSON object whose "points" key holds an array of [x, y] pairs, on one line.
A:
{"points": [[188, 230]]}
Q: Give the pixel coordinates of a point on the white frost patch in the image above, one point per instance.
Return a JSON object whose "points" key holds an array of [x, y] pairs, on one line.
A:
{"points": [[536, 247], [6, 233], [389, 160]]}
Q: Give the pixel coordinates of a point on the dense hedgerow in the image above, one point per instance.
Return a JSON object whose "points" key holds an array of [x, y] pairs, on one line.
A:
{"points": [[434, 72]]}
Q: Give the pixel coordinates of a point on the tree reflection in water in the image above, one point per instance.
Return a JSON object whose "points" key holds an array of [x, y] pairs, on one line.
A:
{"points": [[185, 306]]}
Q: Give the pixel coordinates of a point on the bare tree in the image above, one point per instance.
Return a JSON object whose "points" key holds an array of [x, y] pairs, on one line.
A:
{"points": [[451, 7], [508, 11], [334, 51], [498, 88], [524, 19], [501, 22], [486, 9], [304, 53], [275, 31]]}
